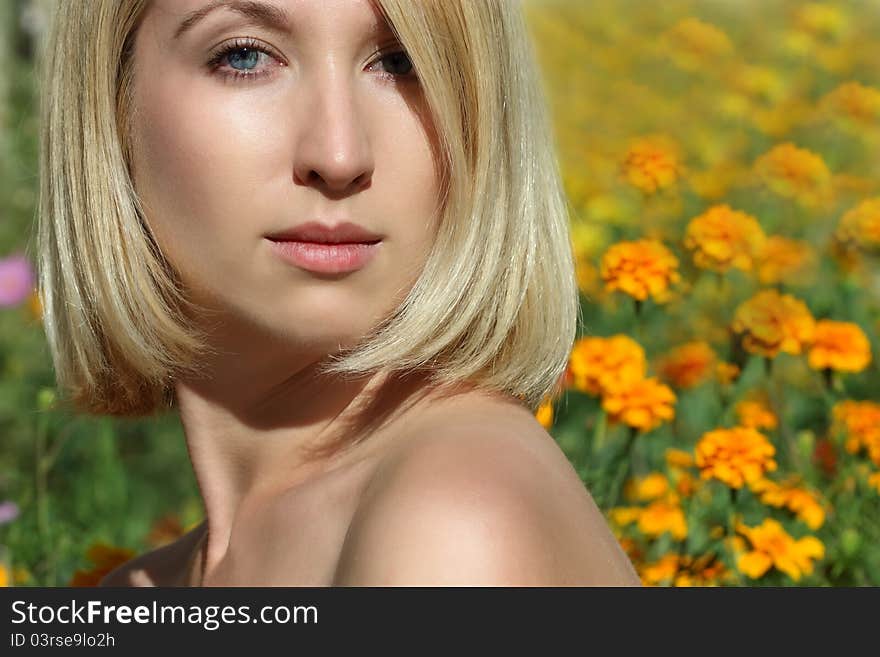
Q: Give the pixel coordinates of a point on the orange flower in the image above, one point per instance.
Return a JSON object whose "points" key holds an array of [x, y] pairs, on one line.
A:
{"points": [[874, 480], [105, 558], [544, 414], [785, 260], [860, 225], [692, 43], [642, 404], [773, 546], [803, 502], [841, 346], [165, 530], [795, 173], [640, 268], [688, 365], [722, 238], [773, 322], [855, 102], [726, 373], [663, 515], [661, 571], [860, 422], [678, 458], [646, 488], [735, 456], [684, 570], [652, 163], [597, 363], [754, 413]]}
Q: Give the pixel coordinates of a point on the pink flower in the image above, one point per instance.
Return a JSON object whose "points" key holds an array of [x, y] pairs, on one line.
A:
{"points": [[16, 280]]}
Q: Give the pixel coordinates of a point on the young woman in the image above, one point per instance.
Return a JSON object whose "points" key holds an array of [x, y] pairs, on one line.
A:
{"points": [[332, 237]]}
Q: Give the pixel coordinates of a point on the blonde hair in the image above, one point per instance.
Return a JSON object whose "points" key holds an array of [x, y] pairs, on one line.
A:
{"points": [[496, 304]]}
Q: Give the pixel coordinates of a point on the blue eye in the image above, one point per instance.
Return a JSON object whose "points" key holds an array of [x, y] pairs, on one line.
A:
{"points": [[243, 58]]}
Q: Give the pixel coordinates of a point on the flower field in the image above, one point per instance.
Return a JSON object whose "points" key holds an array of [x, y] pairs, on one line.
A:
{"points": [[722, 399]]}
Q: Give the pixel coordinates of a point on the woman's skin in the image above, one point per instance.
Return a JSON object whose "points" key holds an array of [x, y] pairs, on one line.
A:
{"points": [[325, 481]]}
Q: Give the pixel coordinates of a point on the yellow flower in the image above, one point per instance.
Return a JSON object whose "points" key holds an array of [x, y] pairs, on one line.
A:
{"points": [[678, 458], [722, 238], [646, 488], [664, 515], [726, 373], [841, 346], [855, 102], [860, 226], [544, 414], [784, 260], [754, 413], [772, 322], [105, 558], [641, 268], [688, 365], [803, 502], [597, 363], [35, 306], [734, 456], [874, 480], [4, 576], [795, 173], [773, 546], [661, 571], [652, 163], [822, 20], [692, 43], [860, 422], [624, 515], [642, 404]]}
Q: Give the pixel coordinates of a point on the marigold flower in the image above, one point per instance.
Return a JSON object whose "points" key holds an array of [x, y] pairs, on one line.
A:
{"points": [[105, 558], [691, 43], [723, 238], [735, 456], [855, 102], [624, 515], [874, 480], [772, 322], [4, 576], [166, 529], [652, 163], [661, 571], [544, 414], [860, 225], [641, 268], [597, 363], [642, 404], [754, 413], [726, 373], [663, 515], [17, 279], [795, 173], [805, 503], [688, 365], [841, 346], [679, 458], [773, 546], [646, 488], [784, 260], [860, 422], [821, 19]]}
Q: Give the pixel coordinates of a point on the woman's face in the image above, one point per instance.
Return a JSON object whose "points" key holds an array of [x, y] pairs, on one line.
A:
{"points": [[244, 129]]}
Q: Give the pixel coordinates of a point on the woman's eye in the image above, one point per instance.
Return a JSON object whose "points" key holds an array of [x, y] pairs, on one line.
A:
{"points": [[241, 59], [397, 64]]}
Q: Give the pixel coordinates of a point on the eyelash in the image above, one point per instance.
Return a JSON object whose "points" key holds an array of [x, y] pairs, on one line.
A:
{"points": [[249, 43]]}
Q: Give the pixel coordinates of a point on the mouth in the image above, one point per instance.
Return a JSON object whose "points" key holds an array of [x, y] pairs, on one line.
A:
{"points": [[326, 257], [315, 232]]}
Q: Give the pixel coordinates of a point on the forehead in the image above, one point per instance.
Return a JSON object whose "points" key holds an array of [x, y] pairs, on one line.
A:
{"points": [[293, 15]]}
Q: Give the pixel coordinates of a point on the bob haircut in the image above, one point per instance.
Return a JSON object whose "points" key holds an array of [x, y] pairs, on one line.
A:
{"points": [[496, 304]]}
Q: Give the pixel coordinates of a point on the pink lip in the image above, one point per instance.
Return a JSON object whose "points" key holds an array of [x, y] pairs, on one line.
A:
{"points": [[315, 231], [326, 258]]}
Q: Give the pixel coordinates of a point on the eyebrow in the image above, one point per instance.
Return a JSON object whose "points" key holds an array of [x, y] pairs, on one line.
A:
{"points": [[267, 15]]}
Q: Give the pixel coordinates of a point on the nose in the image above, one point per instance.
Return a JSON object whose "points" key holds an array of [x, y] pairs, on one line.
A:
{"points": [[333, 152]]}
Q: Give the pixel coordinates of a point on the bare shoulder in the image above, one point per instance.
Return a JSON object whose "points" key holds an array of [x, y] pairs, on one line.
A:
{"points": [[485, 497], [164, 566]]}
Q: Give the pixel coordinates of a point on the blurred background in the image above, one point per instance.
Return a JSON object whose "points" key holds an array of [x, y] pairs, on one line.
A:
{"points": [[722, 401]]}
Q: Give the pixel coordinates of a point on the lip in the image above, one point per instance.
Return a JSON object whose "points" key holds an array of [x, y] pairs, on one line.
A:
{"points": [[324, 249], [314, 231]]}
